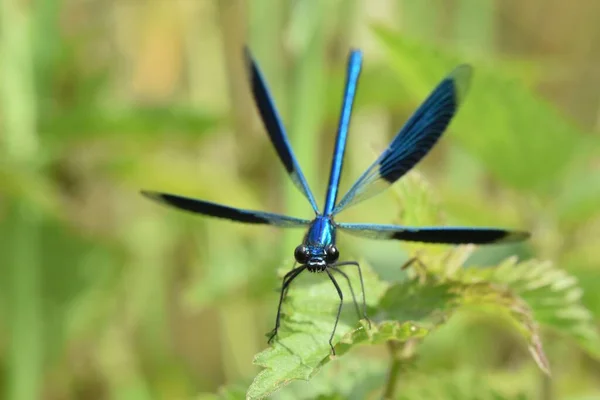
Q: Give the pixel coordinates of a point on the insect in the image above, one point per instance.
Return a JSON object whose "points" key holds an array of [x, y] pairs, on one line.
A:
{"points": [[318, 251]]}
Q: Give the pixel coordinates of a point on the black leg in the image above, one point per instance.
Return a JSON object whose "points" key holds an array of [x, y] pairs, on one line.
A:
{"points": [[288, 287], [337, 318], [287, 279], [362, 286], [350, 286]]}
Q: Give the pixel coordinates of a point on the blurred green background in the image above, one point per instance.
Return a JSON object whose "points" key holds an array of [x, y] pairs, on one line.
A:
{"points": [[106, 295]]}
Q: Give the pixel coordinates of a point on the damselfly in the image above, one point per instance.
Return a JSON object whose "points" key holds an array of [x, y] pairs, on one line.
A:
{"points": [[318, 251]]}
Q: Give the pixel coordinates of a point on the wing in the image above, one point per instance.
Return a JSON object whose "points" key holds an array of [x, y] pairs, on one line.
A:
{"points": [[276, 130], [447, 235], [414, 141], [220, 211]]}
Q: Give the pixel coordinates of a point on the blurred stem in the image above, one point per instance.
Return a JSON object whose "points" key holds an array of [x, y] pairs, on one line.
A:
{"points": [[225, 252], [25, 355], [232, 18], [400, 354], [18, 104], [266, 28], [226, 249], [346, 28], [547, 391], [394, 371], [121, 369]]}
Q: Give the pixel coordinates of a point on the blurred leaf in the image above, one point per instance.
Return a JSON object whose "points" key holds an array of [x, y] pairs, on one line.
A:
{"points": [[588, 278], [23, 185], [74, 266], [355, 378], [50, 47], [579, 202], [459, 385], [379, 87], [229, 392], [87, 123], [518, 136]]}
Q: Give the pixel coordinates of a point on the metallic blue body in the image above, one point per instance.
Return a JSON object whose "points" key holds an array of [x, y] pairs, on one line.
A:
{"points": [[353, 72], [320, 235]]}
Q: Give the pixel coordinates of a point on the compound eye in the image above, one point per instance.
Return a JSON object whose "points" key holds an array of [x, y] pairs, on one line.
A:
{"points": [[301, 254], [332, 254]]}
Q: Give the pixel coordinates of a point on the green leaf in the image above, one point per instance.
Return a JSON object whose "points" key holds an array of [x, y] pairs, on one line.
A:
{"points": [[302, 347], [539, 292], [302, 355], [76, 270], [437, 290]]}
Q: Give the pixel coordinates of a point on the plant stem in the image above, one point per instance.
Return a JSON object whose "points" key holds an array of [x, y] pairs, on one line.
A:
{"points": [[18, 103], [400, 353], [395, 367], [223, 251], [232, 21]]}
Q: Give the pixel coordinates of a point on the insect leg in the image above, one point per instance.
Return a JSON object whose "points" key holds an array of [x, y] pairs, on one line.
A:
{"points": [[350, 286], [287, 279], [337, 318], [362, 286]]}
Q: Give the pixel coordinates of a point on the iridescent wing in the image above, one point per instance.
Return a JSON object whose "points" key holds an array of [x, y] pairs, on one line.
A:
{"points": [[275, 129], [414, 141], [220, 211], [447, 235]]}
